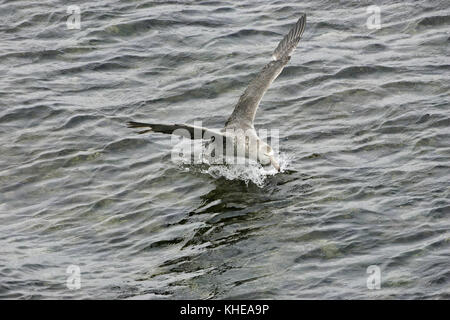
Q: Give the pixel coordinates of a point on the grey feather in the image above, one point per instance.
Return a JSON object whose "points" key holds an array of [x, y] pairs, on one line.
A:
{"points": [[290, 41], [244, 112]]}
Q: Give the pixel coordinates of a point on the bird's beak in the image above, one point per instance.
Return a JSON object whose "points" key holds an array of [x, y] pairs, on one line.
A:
{"points": [[275, 163]]}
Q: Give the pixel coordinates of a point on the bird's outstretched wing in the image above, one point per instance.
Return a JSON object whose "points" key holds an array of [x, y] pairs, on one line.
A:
{"points": [[183, 130], [244, 112]]}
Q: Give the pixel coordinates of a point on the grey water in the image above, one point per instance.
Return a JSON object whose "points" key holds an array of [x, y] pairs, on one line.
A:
{"points": [[363, 115]]}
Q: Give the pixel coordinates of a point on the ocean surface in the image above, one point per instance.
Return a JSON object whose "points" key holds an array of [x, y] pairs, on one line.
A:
{"points": [[91, 210]]}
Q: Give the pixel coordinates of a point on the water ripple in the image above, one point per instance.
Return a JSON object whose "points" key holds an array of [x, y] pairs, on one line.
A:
{"points": [[363, 120]]}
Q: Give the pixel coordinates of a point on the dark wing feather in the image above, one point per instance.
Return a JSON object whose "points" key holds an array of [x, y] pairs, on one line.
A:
{"points": [[184, 130]]}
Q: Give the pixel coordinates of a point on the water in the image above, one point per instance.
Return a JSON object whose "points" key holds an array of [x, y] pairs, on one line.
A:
{"points": [[364, 122]]}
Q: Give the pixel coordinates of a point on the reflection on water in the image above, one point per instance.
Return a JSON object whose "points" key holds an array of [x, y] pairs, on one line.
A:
{"points": [[363, 121]]}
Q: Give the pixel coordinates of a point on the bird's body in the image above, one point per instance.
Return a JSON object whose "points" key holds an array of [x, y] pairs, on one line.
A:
{"points": [[238, 135]]}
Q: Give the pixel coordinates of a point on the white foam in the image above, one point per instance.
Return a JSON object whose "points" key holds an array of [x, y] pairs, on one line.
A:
{"points": [[249, 172]]}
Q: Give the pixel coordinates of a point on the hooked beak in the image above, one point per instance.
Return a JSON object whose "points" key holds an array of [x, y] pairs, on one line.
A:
{"points": [[275, 163]]}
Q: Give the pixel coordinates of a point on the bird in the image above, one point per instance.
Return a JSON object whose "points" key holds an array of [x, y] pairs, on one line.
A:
{"points": [[239, 134]]}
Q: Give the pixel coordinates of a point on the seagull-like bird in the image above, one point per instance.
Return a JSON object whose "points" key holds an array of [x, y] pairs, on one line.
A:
{"points": [[239, 130]]}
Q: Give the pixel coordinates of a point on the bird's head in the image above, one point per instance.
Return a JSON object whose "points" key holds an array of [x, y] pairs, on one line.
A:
{"points": [[266, 156]]}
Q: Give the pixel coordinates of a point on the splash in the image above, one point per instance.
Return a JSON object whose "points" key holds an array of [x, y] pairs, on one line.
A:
{"points": [[251, 172]]}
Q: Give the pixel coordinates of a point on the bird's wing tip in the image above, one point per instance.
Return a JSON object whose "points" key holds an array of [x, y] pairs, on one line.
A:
{"points": [[131, 124], [134, 125], [290, 41]]}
